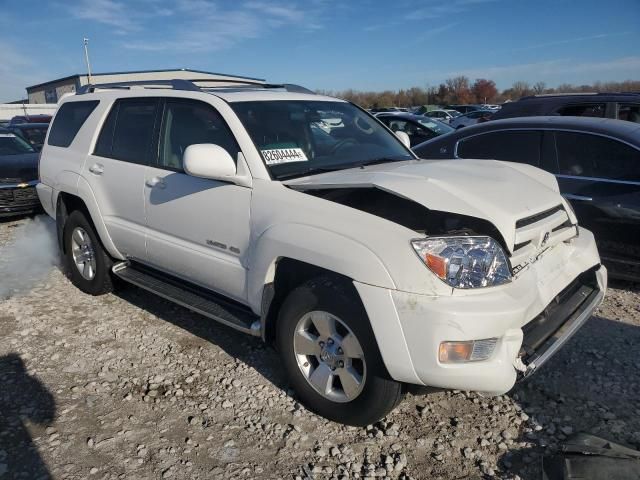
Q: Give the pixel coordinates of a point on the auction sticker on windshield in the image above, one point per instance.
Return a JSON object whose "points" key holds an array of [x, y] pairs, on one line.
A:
{"points": [[284, 155]]}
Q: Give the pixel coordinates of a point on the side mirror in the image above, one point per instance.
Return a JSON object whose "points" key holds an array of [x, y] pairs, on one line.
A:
{"points": [[404, 138], [207, 160]]}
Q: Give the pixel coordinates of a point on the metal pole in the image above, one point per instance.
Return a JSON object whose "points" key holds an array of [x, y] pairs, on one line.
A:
{"points": [[86, 57]]}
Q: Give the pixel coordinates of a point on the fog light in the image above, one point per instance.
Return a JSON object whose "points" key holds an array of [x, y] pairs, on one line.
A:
{"points": [[467, 351]]}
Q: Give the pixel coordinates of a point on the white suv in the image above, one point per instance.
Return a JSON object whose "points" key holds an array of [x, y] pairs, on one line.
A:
{"points": [[368, 268]]}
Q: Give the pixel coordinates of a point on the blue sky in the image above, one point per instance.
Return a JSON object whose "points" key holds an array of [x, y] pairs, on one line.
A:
{"points": [[325, 44]]}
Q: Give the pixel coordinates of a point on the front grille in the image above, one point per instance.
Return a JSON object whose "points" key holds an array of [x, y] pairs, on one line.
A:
{"points": [[17, 197], [523, 222], [536, 233]]}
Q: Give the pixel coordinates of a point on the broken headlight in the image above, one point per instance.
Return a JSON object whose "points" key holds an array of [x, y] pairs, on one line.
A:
{"points": [[465, 262]]}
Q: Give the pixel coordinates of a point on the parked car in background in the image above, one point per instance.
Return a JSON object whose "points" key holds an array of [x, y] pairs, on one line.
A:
{"points": [[373, 111], [18, 175], [471, 118], [442, 115], [596, 161], [418, 127], [622, 106], [463, 108], [39, 118], [34, 133]]}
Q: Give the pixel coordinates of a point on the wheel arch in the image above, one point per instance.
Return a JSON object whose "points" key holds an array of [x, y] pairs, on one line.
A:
{"points": [[84, 201]]}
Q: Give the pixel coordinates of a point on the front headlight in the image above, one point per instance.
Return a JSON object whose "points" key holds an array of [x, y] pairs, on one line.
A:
{"points": [[465, 262]]}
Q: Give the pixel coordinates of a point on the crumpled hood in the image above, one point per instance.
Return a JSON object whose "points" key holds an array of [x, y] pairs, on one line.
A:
{"points": [[23, 167], [500, 192]]}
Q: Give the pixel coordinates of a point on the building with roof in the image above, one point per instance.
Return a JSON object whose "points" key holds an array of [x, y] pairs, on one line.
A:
{"points": [[53, 90]]}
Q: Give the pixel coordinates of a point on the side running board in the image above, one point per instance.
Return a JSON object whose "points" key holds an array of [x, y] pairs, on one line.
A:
{"points": [[190, 296]]}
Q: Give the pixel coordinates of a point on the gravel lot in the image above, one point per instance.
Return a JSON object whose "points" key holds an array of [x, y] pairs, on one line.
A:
{"points": [[131, 386]]}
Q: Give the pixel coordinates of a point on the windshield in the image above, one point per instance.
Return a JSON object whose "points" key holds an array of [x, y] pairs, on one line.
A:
{"points": [[297, 138], [35, 136], [435, 126], [12, 145]]}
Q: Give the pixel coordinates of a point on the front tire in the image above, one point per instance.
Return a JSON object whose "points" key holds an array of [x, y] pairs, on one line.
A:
{"points": [[87, 263], [331, 356]]}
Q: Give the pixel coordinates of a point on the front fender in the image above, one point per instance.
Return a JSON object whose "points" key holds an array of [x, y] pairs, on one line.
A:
{"points": [[322, 248]]}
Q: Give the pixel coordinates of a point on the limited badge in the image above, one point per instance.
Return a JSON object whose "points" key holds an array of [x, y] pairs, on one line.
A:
{"points": [[283, 155]]}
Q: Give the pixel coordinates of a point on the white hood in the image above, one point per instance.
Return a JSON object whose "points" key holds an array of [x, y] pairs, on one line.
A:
{"points": [[500, 192]]}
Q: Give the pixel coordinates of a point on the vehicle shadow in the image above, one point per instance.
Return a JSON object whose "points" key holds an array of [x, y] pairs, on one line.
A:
{"points": [[591, 385], [23, 399], [250, 350]]}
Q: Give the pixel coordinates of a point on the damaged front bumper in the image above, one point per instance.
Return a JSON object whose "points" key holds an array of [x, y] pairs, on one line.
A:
{"points": [[545, 334], [529, 319]]}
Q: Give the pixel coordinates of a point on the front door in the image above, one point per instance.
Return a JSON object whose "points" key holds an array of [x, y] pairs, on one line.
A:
{"points": [[198, 229]]}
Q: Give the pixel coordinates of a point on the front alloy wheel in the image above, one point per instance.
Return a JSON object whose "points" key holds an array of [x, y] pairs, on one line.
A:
{"points": [[330, 353], [329, 356]]}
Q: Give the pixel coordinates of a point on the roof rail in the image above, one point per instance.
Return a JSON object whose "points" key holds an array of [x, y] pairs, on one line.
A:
{"points": [[191, 85]]}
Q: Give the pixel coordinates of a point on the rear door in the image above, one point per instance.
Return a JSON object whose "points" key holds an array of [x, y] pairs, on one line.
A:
{"points": [[601, 178], [115, 171]]}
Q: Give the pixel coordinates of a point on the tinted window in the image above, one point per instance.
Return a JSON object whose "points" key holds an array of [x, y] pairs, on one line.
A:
{"points": [[629, 112], [583, 110], [105, 140], [70, 117], [187, 123], [512, 146], [586, 155], [128, 131]]}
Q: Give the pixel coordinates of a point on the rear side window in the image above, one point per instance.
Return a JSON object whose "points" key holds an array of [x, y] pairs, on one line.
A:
{"points": [[583, 110], [128, 132], [70, 117], [512, 146], [584, 155]]}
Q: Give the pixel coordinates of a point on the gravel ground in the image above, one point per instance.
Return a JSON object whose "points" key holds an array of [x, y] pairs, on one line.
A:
{"points": [[131, 386]]}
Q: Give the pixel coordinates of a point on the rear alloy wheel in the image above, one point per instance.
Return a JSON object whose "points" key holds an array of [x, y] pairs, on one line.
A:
{"points": [[87, 263], [331, 355]]}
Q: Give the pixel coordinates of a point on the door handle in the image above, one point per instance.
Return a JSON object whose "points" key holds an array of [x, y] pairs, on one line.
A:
{"points": [[96, 169], [570, 196], [155, 182]]}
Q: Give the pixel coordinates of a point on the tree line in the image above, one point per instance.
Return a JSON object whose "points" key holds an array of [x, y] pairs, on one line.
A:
{"points": [[460, 90]]}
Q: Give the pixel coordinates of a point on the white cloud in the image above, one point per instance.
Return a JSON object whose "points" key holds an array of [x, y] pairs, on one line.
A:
{"points": [[108, 12], [204, 26]]}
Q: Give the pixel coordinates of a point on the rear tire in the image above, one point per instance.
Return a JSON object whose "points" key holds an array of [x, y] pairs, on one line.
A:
{"points": [[331, 356], [87, 263]]}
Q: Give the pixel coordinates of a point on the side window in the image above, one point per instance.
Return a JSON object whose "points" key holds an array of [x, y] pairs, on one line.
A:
{"points": [[127, 133], [629, 112], [583, 110], [512, 146], [191, 122], [584, 155], [70, 117]]}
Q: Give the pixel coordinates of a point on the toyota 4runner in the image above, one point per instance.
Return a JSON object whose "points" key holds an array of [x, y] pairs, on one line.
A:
{"points": [[303, 220]]}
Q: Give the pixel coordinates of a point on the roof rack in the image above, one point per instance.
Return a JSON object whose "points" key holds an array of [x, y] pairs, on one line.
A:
{"points": [[191, 86]]}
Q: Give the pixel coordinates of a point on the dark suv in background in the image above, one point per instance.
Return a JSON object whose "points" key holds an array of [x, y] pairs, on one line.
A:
{"points": [[621, 106], [596, 162]]}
